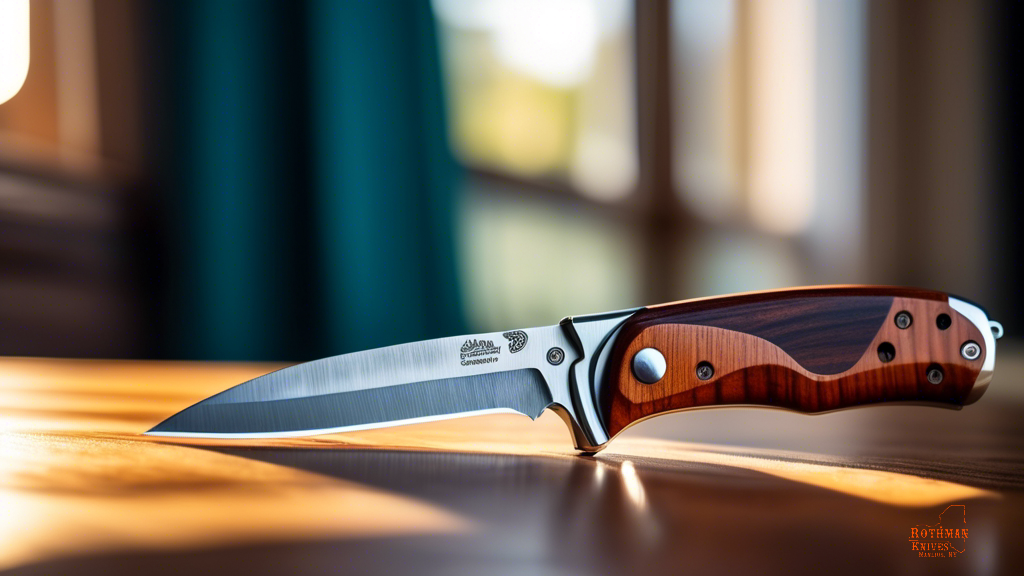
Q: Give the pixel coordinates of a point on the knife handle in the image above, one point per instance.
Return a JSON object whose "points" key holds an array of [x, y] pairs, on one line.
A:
{"points": [[810, 350]]}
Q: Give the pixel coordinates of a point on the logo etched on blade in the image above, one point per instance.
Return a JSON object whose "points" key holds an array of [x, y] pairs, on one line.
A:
{"points": [[516, 340], [479, 352]]}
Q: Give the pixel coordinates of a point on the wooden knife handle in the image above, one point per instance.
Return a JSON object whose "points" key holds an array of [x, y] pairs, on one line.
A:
{"points": [[810, 350]]}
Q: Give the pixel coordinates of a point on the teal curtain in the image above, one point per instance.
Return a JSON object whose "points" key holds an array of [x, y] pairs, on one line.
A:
{"points": [[308, 187]]}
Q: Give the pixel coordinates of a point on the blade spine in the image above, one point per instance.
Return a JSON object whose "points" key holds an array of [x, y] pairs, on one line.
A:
{"points": [[354, 356]]}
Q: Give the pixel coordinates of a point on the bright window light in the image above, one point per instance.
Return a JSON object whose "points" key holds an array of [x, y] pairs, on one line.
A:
{"points": [[782, 115], [543, 89], [13, 47], [554, 42]]}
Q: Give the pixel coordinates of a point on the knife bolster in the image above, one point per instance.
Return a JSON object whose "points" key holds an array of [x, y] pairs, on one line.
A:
{"points": [[811, 350]]}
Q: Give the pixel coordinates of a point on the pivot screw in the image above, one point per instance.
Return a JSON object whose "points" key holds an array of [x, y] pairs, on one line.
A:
{"points": [[705, 371], [649, 366], [934, 374], [555, 356], [904, 320], [970, 350]]}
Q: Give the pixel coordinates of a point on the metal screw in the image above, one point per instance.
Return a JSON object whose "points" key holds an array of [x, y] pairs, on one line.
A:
{"points": [[934, 374], [904, 320], [649, 366], [555, 356], [705, 371], [970, 350]]}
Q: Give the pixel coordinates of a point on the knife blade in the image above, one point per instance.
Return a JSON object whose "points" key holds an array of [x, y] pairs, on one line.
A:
{"points": [[812, 350]]}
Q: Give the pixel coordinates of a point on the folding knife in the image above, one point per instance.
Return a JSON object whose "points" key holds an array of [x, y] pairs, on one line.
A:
{"points": [[811, 350]]}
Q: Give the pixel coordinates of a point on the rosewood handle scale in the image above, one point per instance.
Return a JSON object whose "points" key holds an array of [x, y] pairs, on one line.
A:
{"points": [[810, 350]]}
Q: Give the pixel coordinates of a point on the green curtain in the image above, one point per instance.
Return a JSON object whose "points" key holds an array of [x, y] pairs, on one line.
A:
{"points": [[308, 187]]}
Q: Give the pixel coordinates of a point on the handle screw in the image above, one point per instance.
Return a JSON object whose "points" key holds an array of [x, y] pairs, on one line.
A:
{"points": [[904, 320], [970, 350], [705, 371], [934, 374], [649, 366]]}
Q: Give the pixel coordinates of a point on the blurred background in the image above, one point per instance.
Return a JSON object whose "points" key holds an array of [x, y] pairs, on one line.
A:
{"points": [[270, 180]]}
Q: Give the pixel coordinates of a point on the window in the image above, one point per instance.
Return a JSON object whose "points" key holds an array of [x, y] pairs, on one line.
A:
{"points": [[621, 153], [543, 90], [69, 143]]}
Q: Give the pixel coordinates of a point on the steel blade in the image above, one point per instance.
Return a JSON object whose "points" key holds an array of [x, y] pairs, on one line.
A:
{"points": [[435, 379]]}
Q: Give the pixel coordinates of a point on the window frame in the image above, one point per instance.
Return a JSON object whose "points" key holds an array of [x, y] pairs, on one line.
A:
{"points": [[651, 210]]}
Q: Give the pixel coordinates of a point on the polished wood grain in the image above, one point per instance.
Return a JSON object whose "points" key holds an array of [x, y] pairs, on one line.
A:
{"points": [[824, 328], [799, 325], [753, 358]]}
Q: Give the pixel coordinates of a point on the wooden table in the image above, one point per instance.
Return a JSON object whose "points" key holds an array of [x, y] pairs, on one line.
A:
{"points": [[722, 491]]}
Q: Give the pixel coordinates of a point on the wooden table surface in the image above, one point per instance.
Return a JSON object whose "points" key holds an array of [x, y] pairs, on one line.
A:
{"points": [[722, 491]]}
